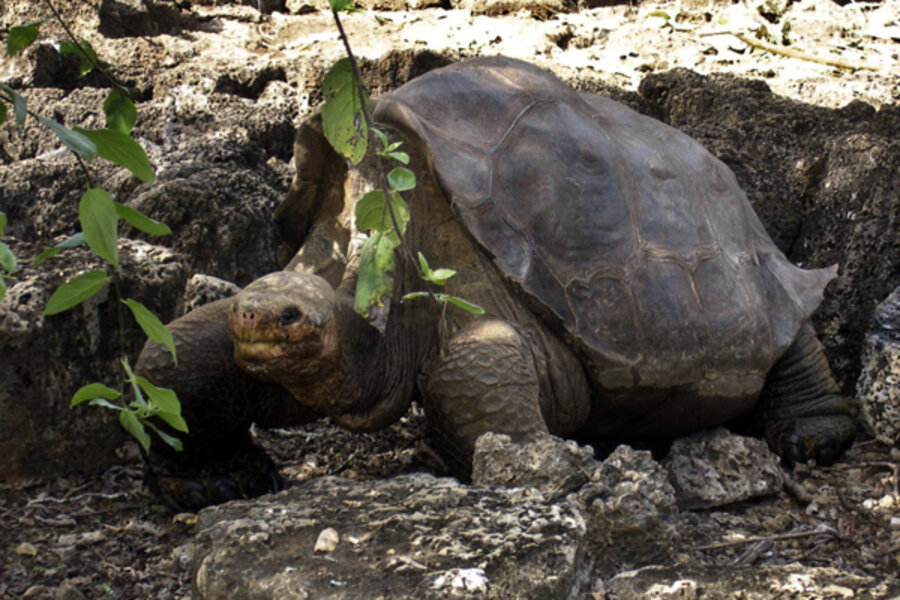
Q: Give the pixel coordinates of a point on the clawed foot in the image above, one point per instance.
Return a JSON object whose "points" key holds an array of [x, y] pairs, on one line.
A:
{"points": [[822, 438]]}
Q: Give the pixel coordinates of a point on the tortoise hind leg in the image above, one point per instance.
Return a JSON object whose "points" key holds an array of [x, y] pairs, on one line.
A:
{"points": [[219, 461], [801, 409], [482, 381]]}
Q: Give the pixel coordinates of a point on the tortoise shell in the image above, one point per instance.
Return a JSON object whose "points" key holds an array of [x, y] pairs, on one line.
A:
{"points": [[629, 234]]}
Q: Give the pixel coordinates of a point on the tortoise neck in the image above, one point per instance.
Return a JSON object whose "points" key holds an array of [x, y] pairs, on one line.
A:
{"points": [[377, 372]]}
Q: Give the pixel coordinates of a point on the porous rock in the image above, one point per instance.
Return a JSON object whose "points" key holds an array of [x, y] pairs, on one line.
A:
{"points": [[716, 467], [414, 536], [550, 464], [878, 389], [202, 289], [760, 582], [626, 505], [538, 8]]}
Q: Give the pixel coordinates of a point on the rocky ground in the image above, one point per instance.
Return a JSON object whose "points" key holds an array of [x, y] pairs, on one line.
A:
{"points": [[101, 535]]}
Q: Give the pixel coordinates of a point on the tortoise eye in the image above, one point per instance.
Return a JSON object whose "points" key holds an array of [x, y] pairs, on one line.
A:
{"points": [[290, 315]]}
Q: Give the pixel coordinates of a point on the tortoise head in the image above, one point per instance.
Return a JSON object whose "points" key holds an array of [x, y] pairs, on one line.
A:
{"points": [[283, 330]]}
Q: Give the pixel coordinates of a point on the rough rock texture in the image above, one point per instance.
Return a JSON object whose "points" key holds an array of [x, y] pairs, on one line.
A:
{"points": [[626, 505], [411, 537], [878, 388], [747, 583], [552, 465], [203, 289], [715, 467]]}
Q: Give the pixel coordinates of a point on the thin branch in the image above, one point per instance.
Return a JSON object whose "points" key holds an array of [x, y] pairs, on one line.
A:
{"points": [[112, 80], [791, 53], [771, 538], [367, 116]]}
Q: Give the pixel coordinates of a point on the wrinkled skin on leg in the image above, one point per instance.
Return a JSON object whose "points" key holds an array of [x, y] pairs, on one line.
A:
{"points": [[801, 411]]}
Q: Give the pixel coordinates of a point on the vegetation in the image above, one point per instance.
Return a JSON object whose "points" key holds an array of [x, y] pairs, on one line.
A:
{"points": [[99, 216]]}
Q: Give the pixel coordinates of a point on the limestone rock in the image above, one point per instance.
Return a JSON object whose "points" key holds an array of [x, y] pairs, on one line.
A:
{"points": [[552, 465], [625, 506], [715, 467], [538, 8], [413, 537], [758, 582], [878, 389], [203, 289]]}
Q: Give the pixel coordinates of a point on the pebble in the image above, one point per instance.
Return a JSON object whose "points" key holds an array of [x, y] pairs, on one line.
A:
{"points": [[26, 549], [895, 523], [327, 541]]}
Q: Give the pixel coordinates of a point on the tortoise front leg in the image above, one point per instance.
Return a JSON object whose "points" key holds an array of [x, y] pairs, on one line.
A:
{"points": [[482, 381], [219, 402], [801, 409]]}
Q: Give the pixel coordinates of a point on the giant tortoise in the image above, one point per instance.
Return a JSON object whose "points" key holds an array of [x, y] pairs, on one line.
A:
{"points": [[630, 291]]}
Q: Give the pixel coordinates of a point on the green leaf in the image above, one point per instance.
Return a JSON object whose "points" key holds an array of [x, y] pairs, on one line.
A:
{"points": [[2, 112], [133, 426], [376, 262], [423, 263], [73, 241], [402, 179], [343, 120], [121, 149], [3, 222], [381, 137], [92, 391], [162, 399], [402, 157], [172, 441], [139, 400], [661, 14], [22, 36], [75, 291], [140, 221], [440, 276], [99, 222], [152, 326], [465, 305], [74, 141], [339, 5], [7, 258], [372, 212], [18, 103], [2, 289], [120, 112], [87, 58]]}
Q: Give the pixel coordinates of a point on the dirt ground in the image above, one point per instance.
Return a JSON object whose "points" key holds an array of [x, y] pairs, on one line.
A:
{"points": [[103, 536]]}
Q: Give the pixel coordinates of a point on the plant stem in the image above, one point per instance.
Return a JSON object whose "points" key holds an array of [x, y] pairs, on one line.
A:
{"points": [[367, 117], [112, 81]]}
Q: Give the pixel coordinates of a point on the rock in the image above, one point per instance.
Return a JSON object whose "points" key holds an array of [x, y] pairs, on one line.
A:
{"points": [[552, 465], [133, 18], [715, 467], [538, 8], [796, 581], [625, 505], [878, 389], [413, 537], [203, 289]]}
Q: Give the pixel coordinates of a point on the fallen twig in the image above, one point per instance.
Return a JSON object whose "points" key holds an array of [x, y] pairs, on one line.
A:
{"points": [[791, 53], [823, 530]]}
